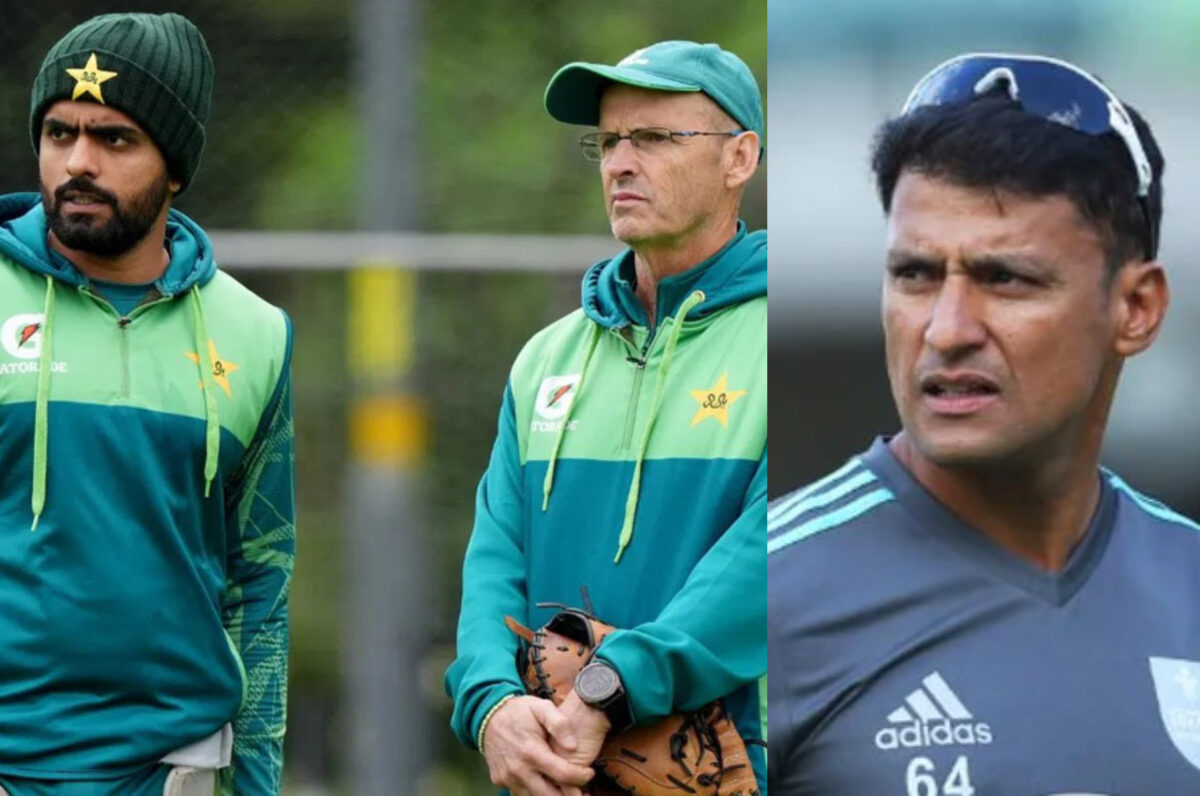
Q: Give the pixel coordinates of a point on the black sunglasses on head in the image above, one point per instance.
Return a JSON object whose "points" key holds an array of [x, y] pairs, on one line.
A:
{"points": [[1047, 87]]}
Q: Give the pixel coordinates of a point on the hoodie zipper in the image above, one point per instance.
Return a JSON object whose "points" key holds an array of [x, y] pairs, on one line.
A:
{"points": [[123, 327], [639, 359], [638, 374], [123, 322]]}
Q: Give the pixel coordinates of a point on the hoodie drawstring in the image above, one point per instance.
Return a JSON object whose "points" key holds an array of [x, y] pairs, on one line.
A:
{"points": [[635, 485], [212, 425], [548, 483], [41, 412]]}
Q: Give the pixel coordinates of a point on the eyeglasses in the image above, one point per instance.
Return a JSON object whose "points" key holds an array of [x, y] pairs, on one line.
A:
{"points": [[1047, 87], [597, 146]]}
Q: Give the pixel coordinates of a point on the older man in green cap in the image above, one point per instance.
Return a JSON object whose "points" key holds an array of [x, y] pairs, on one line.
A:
{"points": [[631, 454], [146, 496]]}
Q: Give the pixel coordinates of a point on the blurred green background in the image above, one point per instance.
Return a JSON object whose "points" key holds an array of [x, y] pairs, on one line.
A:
{"points": [[286, 152]]}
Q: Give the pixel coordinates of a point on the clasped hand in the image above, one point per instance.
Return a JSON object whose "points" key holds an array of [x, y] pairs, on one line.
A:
{"points": [[536, 749]]}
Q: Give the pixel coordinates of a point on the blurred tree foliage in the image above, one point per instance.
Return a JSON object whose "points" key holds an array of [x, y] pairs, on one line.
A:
{"points": [[283, 153]]}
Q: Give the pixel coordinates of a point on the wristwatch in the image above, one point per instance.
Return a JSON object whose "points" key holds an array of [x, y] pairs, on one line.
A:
{"points": [[599, 686]]}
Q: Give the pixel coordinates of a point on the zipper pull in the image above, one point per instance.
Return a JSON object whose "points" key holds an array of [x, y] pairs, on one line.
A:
{"points": [[122, 322]]}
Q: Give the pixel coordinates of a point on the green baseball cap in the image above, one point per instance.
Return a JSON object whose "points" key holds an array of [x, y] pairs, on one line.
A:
{"points": [[573, 95]]}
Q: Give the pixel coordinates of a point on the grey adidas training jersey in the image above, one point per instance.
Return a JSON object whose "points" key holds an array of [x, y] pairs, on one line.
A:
{"points": [[911, 655]]}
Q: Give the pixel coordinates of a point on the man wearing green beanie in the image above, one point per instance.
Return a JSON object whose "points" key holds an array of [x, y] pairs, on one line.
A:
{"points": [[146, 466], [631, 455]]}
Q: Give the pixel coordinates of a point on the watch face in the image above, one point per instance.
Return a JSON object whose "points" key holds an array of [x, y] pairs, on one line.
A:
{"points": [[596, 683]]}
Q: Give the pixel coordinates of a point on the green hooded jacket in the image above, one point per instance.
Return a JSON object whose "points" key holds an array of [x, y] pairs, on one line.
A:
{"points": [[631, 460], [146, 511]]}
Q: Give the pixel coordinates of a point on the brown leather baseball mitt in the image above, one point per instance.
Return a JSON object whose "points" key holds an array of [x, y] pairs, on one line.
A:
{"points": [[699, 752]]}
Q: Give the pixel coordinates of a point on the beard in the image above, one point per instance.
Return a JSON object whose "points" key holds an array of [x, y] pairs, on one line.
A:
{"points": [[127, 225]]}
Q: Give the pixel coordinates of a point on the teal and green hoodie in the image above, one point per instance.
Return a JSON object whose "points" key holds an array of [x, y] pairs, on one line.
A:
{"points": [[146, 514], [631, 460]]}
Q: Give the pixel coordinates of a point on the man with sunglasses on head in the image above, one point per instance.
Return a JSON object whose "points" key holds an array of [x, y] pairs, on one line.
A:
{"points": [[974, 605], [631, 455]]}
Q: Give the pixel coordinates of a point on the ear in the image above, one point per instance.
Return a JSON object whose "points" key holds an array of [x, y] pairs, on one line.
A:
{"points": [[1141, 296], [174, 185], [741, 159]]}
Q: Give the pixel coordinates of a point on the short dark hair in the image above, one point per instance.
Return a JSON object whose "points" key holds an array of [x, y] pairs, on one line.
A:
{"points": [[991, 143]]}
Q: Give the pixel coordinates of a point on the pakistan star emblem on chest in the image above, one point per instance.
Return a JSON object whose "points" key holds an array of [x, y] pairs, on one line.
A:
{"points": [[222, 368], [715, 402]]}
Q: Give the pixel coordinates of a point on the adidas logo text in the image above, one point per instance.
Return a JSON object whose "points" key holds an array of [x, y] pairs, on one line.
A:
{"points": [[932, 715], [943, 733]]}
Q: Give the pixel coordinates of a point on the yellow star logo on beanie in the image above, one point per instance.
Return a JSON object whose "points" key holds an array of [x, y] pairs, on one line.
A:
{"points": [[89, 78]]}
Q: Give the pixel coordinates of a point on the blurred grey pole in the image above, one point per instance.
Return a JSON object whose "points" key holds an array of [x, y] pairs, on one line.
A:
{"points": [[387, 553]]}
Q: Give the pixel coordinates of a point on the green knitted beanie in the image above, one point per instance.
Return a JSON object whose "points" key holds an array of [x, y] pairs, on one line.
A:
{"points": [[155, 68]]}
